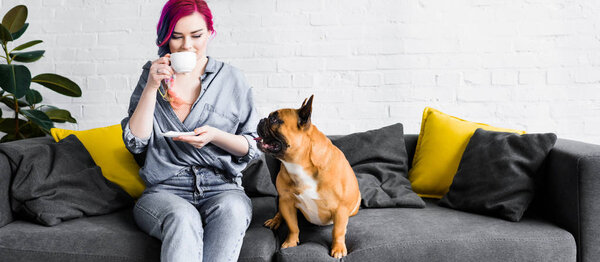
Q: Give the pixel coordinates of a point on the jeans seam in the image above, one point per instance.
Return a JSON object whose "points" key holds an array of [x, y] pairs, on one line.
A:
{"points": [[146, 211]]}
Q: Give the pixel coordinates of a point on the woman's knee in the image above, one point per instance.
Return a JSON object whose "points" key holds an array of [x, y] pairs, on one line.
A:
{"points": [[236, 209]]}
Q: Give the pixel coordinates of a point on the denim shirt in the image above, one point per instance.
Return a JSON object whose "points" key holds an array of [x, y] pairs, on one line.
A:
{"points": [[225, 102]]}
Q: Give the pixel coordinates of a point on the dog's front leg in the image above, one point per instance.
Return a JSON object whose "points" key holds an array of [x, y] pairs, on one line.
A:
{"points": [[340, 222], [289, 213]]}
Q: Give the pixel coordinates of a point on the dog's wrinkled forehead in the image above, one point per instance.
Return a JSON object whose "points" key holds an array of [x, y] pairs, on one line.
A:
{"points": [[284, 116]]}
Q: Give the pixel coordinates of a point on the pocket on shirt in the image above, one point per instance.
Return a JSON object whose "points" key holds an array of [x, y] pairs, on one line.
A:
{"points": [[218, 118]]}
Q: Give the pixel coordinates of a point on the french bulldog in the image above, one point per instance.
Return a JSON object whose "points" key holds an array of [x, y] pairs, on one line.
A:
{"points": [[315, 176]]}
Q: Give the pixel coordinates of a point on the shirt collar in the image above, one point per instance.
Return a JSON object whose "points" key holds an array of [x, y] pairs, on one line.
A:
{"points": [[211, 65]]}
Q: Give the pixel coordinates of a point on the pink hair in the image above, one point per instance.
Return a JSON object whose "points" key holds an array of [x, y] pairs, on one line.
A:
{"points": [[175, 10]]}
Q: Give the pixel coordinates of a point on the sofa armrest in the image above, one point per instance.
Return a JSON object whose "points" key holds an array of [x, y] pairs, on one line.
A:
{"points": [[571, 193], [5, 180]]}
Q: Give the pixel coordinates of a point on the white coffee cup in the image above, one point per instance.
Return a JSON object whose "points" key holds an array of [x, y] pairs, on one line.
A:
{"points": [[183, 62]]}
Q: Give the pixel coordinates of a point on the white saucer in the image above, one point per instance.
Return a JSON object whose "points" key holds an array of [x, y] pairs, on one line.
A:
{"points": [[176, 134]]}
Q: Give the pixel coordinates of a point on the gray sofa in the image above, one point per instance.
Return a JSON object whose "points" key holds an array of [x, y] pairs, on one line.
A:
{"points": [[560, 225]]}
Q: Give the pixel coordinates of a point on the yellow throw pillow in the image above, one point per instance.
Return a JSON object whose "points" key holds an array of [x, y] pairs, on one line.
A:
{"points": [[107, 148], [441, 143]]}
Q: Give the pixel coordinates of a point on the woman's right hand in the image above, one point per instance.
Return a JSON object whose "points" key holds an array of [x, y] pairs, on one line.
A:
{"points": [[160, 70]]}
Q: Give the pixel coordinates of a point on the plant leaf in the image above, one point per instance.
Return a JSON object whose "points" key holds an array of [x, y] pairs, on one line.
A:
{"points": [[33, 97], [38, 117], [5, 35], [15, 79], [27, 57], [10, 103], [27, 45], [19, 33], [60, 115], [8, 138], [7, 125], [59, 84], [32, 130], [15, 18]]}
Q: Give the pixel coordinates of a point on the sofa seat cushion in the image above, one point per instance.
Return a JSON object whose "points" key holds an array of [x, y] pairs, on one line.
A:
{"points": [[435, 234], [260, 243], [112, 237], [115, 237]]}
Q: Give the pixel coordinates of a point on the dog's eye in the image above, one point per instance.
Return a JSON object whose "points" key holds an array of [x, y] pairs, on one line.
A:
{"points": [[273, 120]]}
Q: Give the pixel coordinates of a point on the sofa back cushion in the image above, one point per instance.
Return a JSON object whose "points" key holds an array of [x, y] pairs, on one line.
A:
{"points": [[6, 215], [59, 181], [5, 212]]}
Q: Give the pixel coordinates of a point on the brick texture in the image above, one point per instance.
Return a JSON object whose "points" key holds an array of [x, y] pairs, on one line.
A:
{"points": [[532, 65]]}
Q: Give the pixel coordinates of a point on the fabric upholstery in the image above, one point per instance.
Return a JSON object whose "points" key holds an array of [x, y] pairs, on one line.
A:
{"points": [[115, 237], [380, 162], [256, 178], [570, 191], [5, 179], [260, 243], [442, 140], [6, 176], [58, 182], [434, 234], [497, 172]]}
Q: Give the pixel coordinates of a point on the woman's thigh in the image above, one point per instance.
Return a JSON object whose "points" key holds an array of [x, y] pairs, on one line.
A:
{"points": [[154, 208]]}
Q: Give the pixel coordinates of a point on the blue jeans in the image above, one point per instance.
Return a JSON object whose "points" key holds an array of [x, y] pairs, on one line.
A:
{"points": [[197, 214]]}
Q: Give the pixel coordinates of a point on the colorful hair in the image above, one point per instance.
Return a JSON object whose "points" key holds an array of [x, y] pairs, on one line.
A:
{"points": [[171, 13]]}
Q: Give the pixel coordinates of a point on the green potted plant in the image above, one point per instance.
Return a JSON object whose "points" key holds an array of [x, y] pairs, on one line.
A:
{"points": [[29, 119]]}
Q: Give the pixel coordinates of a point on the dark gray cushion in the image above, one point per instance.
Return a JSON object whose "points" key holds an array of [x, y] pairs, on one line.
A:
{"points": [[496, 174], [56, 182], [112, 237], [6, 175], [115, 237], [260, 243], [5, 179], [380, 162], [256, 178], [435, 233]]}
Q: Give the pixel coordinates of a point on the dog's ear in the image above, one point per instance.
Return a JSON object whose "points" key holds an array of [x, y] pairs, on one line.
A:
{"points": [[304, 113]]}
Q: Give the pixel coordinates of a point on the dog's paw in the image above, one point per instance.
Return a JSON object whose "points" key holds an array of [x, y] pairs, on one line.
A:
{"points": [[339, 250], [273, 223], [290, 243]]}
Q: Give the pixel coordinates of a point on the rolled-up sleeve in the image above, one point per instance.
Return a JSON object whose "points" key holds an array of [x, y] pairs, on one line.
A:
{"points": [[133, 143], [247, 128]]}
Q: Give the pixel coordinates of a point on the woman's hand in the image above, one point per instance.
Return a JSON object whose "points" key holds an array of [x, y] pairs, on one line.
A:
{"points": [[204, 135], [160, 70]]}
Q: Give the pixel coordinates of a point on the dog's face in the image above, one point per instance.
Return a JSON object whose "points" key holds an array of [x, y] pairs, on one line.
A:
{"points": [[283, 132]]}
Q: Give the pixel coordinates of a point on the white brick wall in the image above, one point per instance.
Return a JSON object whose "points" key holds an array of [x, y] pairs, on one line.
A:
{"points": [[532, 65]]}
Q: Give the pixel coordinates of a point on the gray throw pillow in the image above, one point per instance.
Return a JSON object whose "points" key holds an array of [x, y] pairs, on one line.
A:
{"points": [[380, 162], [52, 183], [256, 178], [496, 174]]}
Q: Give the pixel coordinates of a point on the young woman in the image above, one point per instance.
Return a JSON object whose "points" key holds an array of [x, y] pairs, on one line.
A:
{"points": [[194, 202]]}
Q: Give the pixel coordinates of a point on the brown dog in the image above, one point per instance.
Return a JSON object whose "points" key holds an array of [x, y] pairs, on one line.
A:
{"points": [[315, 176]]}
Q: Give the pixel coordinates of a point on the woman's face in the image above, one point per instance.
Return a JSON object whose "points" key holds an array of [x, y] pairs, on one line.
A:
{"points": [[190, 34]]}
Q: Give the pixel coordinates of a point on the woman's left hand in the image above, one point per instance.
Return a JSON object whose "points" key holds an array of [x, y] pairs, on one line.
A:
{"points": [[204, 135]]}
